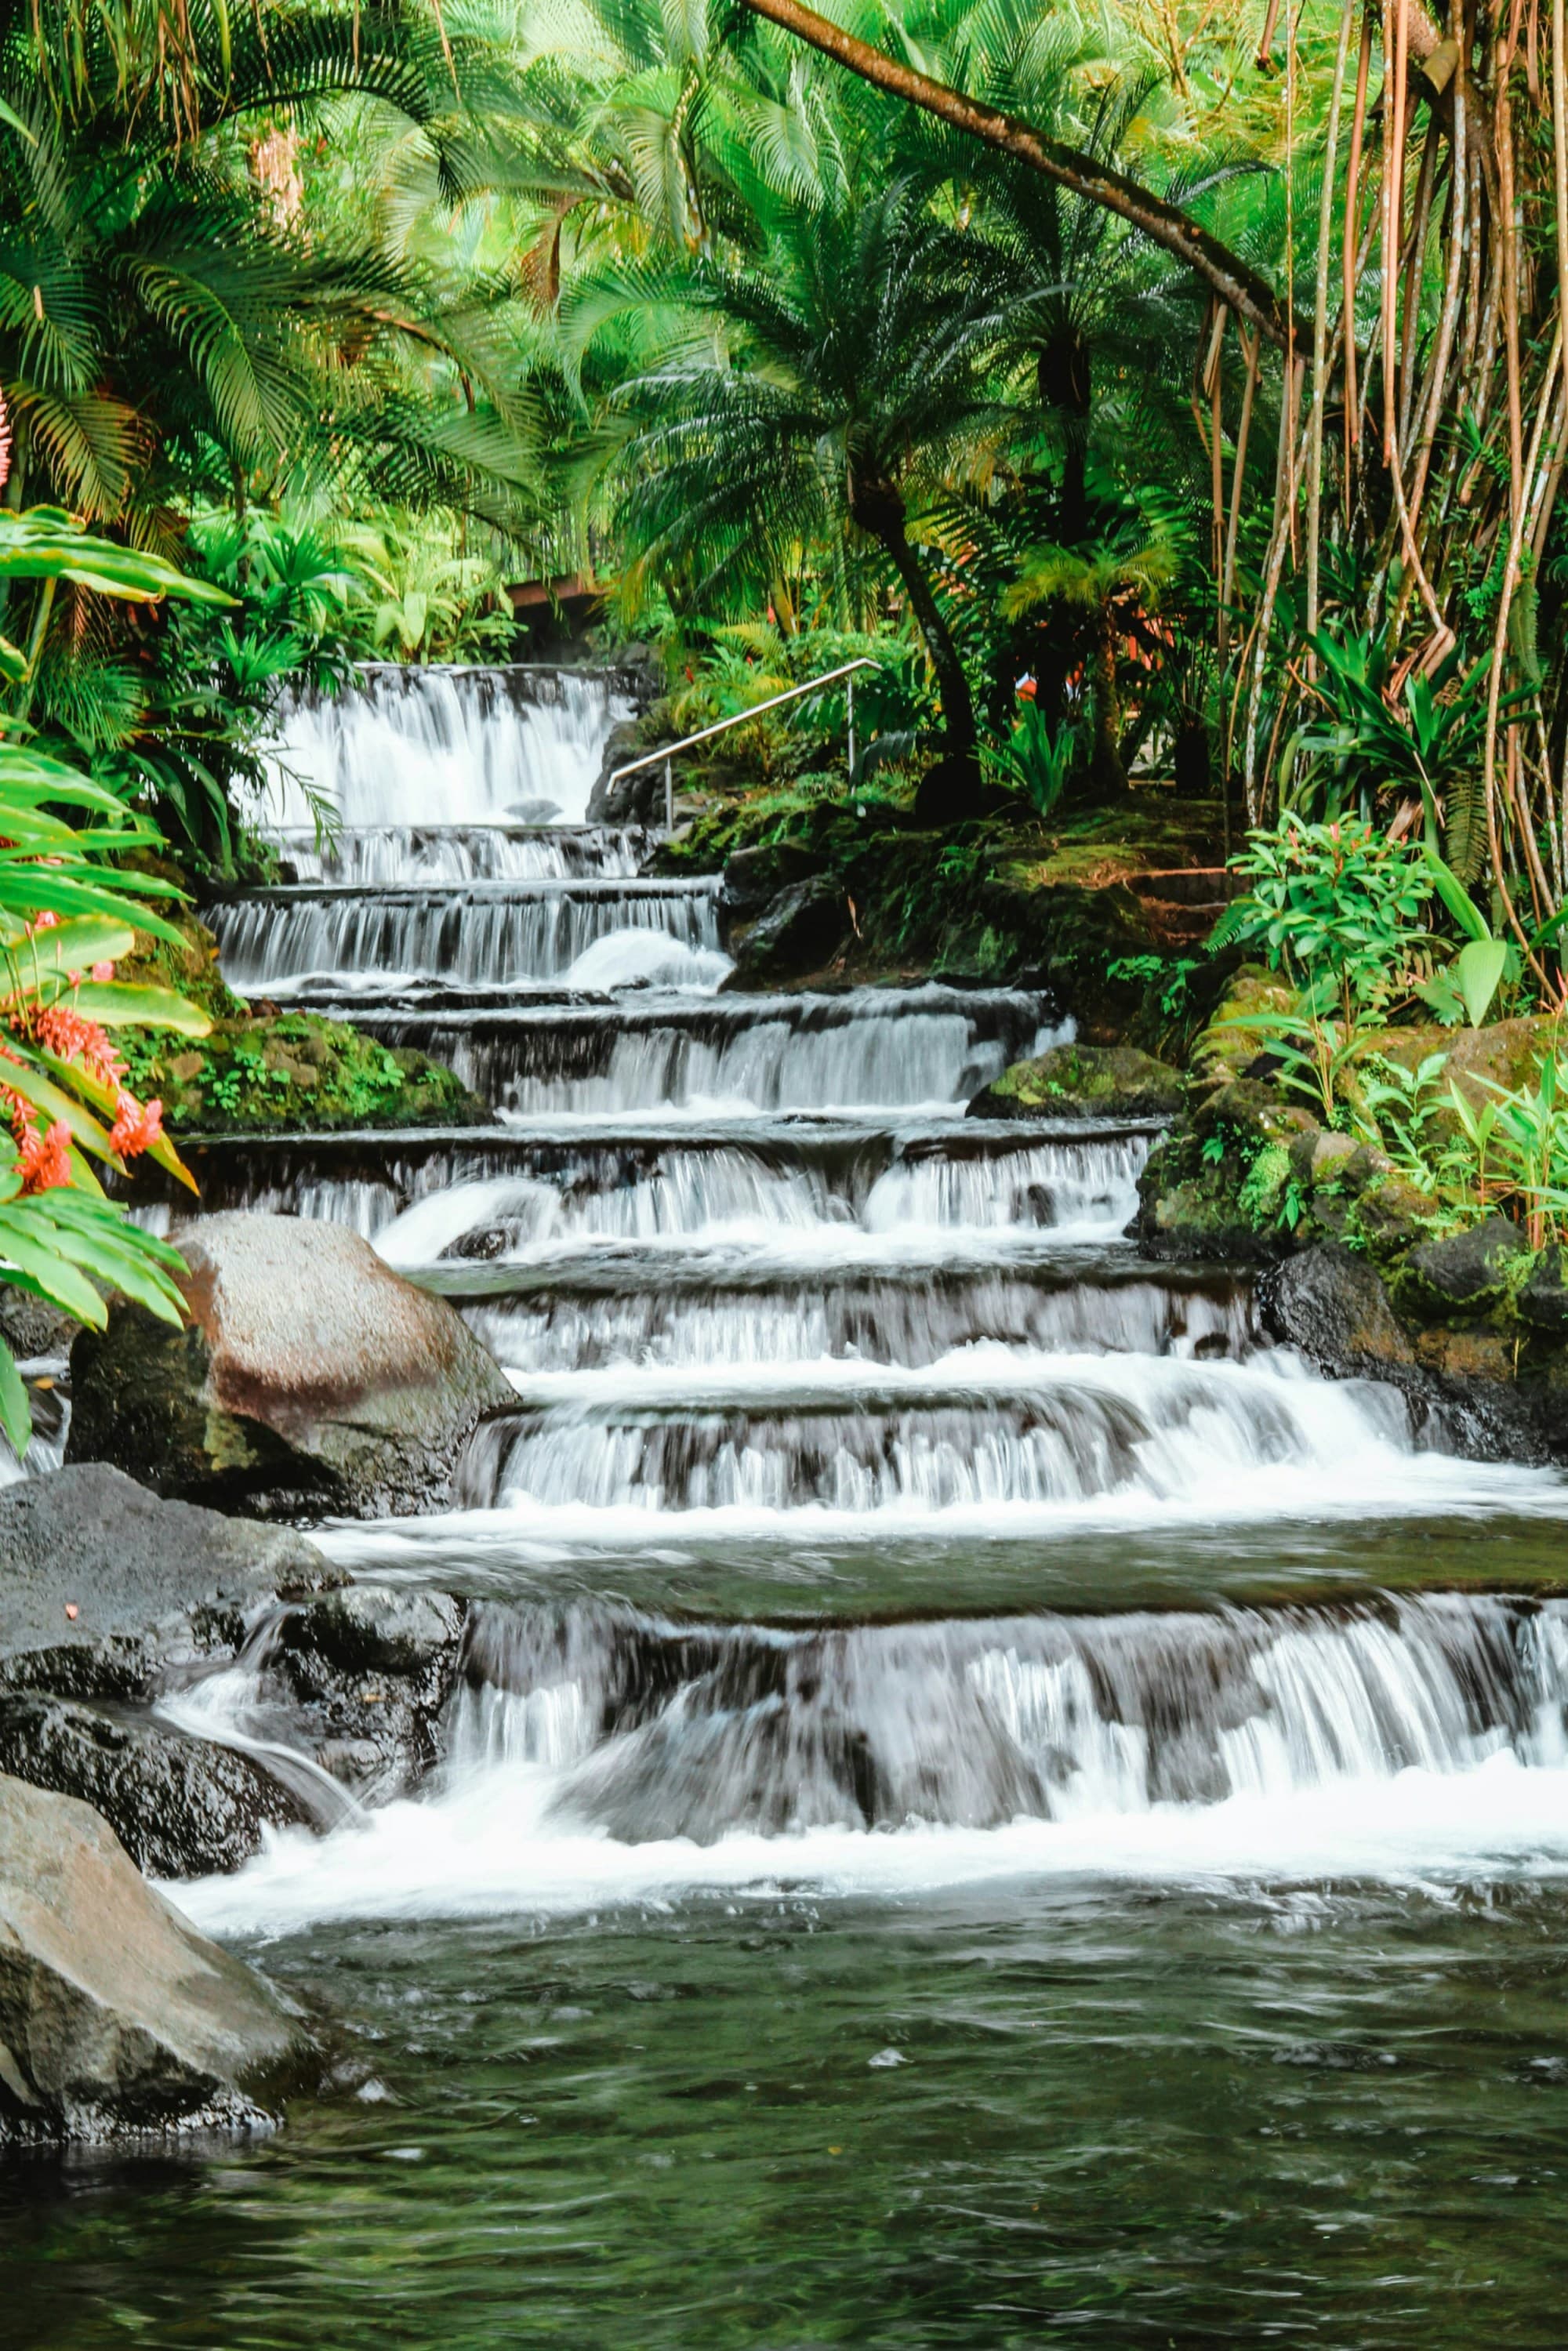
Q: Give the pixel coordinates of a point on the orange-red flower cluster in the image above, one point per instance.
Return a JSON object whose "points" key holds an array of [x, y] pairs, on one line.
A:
{"points": [[43, 1157], [44, 1160]]}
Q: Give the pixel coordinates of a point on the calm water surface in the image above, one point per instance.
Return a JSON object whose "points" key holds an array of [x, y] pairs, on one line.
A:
{"points": [[1334, 2117]]}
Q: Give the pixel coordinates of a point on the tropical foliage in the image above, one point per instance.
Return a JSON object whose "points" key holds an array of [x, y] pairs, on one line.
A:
{"points": [[69, 911]]}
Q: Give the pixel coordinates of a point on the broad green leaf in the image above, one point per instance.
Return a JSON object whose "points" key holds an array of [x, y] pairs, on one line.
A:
{"points": [[1478, 968], [1456, 898], [23, 1244], [73, 946], [117, 1005], [16, 1411]]}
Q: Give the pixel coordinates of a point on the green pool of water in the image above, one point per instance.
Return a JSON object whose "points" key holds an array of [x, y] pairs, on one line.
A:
{"points": [[1326, 2118]]}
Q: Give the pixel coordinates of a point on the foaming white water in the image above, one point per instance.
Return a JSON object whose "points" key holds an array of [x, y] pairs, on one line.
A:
{"points": [[1420, 1738], [1083, 1190], [641, 959], [447, 746], [689, 1194], [488, 936], [398, 855], [496, 1858], [987, 1429]]}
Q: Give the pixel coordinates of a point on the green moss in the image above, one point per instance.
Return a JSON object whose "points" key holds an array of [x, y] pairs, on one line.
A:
{"points": [[1260, 1195], [296, 1069]]}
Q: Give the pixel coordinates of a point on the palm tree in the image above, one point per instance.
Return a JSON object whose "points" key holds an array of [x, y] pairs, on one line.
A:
{"points": [[170, 323], [833, 382]]}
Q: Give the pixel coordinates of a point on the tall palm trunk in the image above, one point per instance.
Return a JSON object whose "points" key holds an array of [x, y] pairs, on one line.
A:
{"points": [[1107, 774], [878, 509]]}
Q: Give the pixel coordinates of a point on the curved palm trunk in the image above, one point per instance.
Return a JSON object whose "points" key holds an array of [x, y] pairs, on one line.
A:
{"points": [[1107, 774], [879, 509]]}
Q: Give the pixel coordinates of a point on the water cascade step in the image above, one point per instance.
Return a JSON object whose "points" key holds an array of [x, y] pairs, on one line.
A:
{"points": [[436, 744]]}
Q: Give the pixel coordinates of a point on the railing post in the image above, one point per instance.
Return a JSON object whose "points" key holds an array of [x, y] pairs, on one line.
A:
{"points": [[669, 796], [850, 695]]}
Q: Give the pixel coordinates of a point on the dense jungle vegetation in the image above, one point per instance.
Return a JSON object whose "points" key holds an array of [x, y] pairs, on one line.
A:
{"points": [[1170, 397]]}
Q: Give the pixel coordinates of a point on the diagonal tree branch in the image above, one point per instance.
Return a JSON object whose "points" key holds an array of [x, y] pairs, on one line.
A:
{"points": [[1247, 293]]}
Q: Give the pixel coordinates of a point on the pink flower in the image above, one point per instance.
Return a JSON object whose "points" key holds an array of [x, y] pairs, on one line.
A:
{"points": [[102, 971]]}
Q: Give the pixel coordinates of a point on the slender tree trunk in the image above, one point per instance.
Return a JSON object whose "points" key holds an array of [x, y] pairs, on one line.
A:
{"points": [[1107, 775], [879, 509]]}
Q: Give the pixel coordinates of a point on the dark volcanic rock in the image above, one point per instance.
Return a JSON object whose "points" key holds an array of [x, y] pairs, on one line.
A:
{"points": [[309, 1376], [181, 1807], [367, 1673], [117, 2019], [755, 875], [33, 1329], [1543, 1300], [636, 799], [1465, 1271], [800, 929], [1333, 1307], [147, 1580], [1083, 1082]]}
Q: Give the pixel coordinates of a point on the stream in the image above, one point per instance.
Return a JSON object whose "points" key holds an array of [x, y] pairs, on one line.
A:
{"points": [[986, 1805]]}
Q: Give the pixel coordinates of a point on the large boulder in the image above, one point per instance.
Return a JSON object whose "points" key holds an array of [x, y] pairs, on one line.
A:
{"points": [[117, 2019], [106, 1595], [1112, 1082], [309, 1377]]}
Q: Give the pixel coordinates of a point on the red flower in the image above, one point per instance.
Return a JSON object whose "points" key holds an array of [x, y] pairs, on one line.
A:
{"points": [[138, 1126], [45, 1160]]}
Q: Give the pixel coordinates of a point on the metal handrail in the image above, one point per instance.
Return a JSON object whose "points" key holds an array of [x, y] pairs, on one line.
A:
{"points": [[705, 734]]}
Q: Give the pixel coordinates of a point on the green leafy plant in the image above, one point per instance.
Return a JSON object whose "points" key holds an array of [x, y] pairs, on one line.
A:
{"points": [[68, 913], [1037, 760], [1428, 747], [1314, 1049], [1337, 907]]}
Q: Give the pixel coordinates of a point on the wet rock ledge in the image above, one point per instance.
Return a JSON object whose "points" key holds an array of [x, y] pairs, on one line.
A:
{"points": [[174, 1685], [120, 1607]]}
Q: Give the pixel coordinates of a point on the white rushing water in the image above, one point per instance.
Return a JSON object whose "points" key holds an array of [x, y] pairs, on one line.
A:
{"points": [[426, 746], [1422, 1739], [767, 1295]]}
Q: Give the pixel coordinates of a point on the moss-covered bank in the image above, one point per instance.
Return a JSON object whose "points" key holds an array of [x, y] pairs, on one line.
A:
{"points": [[1092, 907], [265, 1070]]}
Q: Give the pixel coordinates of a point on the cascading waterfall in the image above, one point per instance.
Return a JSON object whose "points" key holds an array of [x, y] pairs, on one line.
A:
{"points": [[301, 942], [871, 1049], [420, 746], [597, 1755], [765, 1294]]}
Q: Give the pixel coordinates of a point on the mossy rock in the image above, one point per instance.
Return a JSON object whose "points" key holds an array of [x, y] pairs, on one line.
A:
{"points": [[294, 1070], [1112, 1082], [1225, 1053], [1462, 1276]]}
